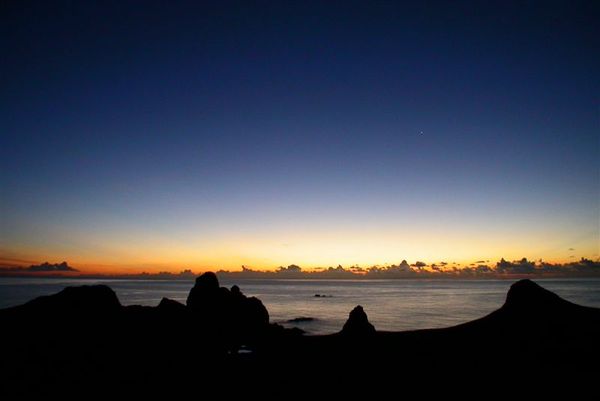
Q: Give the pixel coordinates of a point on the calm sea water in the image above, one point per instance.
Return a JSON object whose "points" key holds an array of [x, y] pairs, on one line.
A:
{"points": [[390, 304]]}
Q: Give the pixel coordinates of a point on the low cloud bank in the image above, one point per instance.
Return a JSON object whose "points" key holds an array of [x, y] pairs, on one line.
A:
{"points": [[43, 267], [503, 268]]}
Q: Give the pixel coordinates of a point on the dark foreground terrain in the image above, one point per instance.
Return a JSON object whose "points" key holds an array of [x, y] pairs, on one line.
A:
{"points": [[83, 341]]}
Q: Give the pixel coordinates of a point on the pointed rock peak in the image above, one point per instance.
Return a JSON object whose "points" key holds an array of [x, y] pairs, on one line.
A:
{"points": [[528, 293], [358, 323], [358, 314]]}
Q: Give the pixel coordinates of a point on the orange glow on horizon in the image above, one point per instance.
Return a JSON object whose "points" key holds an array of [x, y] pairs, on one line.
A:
{"points": [[133, 254], [103, 269]]}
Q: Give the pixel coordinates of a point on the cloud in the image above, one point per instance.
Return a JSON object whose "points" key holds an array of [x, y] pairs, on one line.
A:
{"points": [[474, 270], [517, 266], [43, 267], [49, 267], [393, 271], [484, 269], [585, 266], [289, 269]]}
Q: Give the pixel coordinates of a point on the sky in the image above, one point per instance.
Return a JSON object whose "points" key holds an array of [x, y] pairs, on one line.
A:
{"points": [[166, 135]]}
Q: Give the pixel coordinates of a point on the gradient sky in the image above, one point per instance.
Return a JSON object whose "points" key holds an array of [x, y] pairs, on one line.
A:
{"points": [[163, 135]]}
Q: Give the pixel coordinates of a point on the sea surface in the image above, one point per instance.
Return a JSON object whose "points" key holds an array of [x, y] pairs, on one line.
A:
{"points": [[389, 304]]}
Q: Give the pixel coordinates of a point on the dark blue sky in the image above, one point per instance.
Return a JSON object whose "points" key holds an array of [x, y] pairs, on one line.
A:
{"points": [[136, 133]]}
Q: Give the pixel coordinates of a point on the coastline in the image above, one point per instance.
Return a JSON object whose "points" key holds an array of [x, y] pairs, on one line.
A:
{"points": [[221, 330]]}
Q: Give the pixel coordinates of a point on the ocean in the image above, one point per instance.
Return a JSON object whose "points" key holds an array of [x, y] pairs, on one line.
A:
{"points": [[389, 304]]}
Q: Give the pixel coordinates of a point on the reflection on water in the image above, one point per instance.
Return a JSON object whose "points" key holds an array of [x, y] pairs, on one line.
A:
{"points": [[390, 304]]}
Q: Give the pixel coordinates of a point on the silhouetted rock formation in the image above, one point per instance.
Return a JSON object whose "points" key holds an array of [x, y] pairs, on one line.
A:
{"points": [[204, 292], [358, 324], [83, 333], [83, 300], [239, 318]]}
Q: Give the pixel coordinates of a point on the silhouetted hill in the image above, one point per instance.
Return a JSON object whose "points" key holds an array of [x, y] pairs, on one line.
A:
{"points": [[530, 308], [222, 337], [83, 300]]}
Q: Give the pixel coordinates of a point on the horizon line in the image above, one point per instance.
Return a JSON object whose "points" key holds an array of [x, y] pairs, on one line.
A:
{"points": [[486, 268]]}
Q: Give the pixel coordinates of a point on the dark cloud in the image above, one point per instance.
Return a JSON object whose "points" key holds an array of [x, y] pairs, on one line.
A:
{"points": [[43, 267], [393, 271], [49, 267], [475, 270], [585, 266], [339, 268], [484, 269], [517, 266], [289, 269], [340, 272]]}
